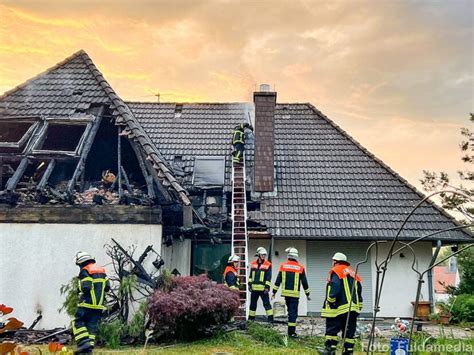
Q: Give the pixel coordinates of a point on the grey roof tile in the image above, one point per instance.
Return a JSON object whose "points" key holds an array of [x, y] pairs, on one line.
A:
{"points": [[328, 186]]}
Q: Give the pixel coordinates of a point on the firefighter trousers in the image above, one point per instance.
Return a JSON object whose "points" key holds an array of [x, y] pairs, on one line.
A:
{"points": [[292, 306], [254, 296], [85, 327], [338, 324], [238, 153]]}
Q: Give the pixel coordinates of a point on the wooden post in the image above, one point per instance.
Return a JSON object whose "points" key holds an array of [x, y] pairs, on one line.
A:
{"points": [[127, 182], [13, 181], [46, 175], [146, 175], [119, 163], [1, 172], [85, 151]]}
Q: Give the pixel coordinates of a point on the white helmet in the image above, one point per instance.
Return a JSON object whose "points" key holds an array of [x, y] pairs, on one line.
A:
{"points": [[261, 251], [233, 258], [82, 257], [339, 257], [292, 252]]}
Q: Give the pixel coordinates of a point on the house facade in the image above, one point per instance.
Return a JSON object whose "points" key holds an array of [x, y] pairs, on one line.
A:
{"points": [[309, 184]]}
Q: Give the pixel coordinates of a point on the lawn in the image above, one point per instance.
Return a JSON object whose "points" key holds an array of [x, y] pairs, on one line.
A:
{"points": [[259, 340]]}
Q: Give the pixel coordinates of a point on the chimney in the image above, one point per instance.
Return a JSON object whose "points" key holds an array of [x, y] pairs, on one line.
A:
{"points": [[265, 102]]}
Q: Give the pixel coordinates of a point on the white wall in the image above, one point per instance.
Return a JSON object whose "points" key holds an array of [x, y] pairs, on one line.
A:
{"points": [[178, 256], [400, 283], [280, 246], [36, 259]]}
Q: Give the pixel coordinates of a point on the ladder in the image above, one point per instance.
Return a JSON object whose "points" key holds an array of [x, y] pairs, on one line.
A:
{"points": [[239, 231]]}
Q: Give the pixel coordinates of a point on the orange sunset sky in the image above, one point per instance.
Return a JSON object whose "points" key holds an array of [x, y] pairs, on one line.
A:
{"points": [[397, 75]]}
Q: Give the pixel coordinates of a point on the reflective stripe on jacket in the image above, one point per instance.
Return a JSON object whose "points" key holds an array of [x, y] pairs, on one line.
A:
{"points": [[260, 275], [291, 276], [238, 136], [231, 279], [338, 292], [93, 284]]}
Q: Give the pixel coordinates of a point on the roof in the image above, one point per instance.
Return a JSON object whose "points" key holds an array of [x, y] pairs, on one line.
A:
{"points": [[74, 85], [328, 186], [443, 277]]}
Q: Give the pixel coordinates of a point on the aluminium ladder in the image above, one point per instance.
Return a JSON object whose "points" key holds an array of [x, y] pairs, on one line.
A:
{"points": [[239, 231]]}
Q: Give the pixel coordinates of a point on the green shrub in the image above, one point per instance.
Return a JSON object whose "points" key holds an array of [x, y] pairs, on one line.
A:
{"points": [[110, 333], [463, 308], [71, 290], [264, 334], [136, 328]]}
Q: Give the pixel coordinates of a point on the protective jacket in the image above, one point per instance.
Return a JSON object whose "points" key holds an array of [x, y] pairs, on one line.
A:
{"points": [[290, 276], [93, 284], [238, 134], [231, 279], [338, 292], [260, 275]]}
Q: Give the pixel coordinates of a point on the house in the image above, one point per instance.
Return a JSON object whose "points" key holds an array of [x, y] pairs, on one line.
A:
{"points": [[76, 169], [443, 278], [309, 185]]}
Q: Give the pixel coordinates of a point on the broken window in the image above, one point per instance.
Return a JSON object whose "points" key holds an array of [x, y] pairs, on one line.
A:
{"points": [[57, 136], [209, 172], [14, 134]]}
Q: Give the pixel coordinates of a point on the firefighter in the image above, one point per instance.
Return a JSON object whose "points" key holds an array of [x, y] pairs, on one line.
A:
{"points": [[231, 278], [238, 141], [260, 283], [93, 285], [291, 276], [336, 305]]}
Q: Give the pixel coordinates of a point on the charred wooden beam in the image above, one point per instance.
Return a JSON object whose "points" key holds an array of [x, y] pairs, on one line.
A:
{"points": [[13, 181], [125, 178], [154, 174], [119, 163], [46, 175], [1, 172], [148, 177], [85, 151]]}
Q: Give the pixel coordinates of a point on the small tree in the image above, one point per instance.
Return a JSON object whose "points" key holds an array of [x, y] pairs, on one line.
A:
{"points": [[433, 181]]}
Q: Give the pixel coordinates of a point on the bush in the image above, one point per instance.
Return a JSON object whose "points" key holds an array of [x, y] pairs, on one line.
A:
{"points": [[463, 308], [110, 333], [192, 305], [71, 290]]}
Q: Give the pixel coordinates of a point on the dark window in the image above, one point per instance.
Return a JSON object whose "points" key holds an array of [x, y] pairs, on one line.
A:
{"points": [[209, 172], [63, 137], [210, 260], [15, 134]]}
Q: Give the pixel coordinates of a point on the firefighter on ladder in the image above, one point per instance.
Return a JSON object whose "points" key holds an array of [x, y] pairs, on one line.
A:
{"points": [[238, 141], [231, 276], [260, 283], [336, 306], [93, 285], [290, 276]]}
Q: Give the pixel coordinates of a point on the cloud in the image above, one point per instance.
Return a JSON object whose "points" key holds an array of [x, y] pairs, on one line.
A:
{"points": [[369, 65]]}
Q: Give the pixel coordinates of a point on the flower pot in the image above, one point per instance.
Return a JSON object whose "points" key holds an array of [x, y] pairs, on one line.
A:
{"points": [[444, 318], [423, 310]]}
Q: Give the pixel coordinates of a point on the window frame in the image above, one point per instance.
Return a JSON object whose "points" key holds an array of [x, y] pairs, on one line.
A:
{"points": [[26, 136], [83, 121]]}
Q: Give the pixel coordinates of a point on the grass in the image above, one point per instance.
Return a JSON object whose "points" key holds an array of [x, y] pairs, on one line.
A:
{"points": [[259, 339]]}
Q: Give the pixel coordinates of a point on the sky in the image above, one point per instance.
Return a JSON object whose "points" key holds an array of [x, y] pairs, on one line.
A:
{"points": [[396, 75]]}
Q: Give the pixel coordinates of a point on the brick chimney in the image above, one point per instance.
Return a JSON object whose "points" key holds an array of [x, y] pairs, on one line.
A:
{"points": [[265, 102]]}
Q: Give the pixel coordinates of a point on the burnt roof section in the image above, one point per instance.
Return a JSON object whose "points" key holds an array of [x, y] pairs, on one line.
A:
{"points": [[328, 186], [73, 86]]}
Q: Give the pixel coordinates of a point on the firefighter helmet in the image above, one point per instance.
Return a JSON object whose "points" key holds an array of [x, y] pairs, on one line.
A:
{"points": [[233, 258], [261, 251], [82, 257], [292, 252], [339, 257]]}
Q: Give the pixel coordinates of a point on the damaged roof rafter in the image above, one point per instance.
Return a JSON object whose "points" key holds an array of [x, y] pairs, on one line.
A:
{"points": [[120, 112]]}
